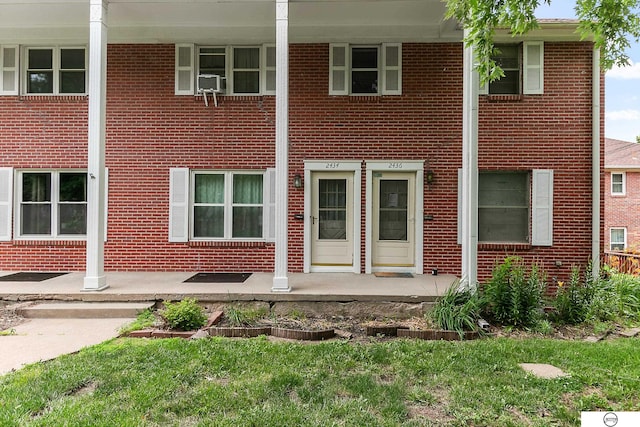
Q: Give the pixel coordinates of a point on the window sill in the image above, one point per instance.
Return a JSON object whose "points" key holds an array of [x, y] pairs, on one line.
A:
{"points": [[54, 98], [504, 98], [229, 244], [50, 242], [506, 247]]}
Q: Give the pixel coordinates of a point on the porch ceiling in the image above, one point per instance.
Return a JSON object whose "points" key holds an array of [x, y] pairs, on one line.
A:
{"points": [[237, 21]]}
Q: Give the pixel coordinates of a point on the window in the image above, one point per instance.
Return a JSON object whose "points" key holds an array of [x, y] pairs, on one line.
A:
{"points": [[221, 205], [618, 184], [243, 70], [618, 240], [55, 71], [227, 205], [503, 207], [523, 66], [365, 70], [52, 204], [246, 70], [212, 60]]}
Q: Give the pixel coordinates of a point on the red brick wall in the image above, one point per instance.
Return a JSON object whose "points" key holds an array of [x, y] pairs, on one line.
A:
{"points": [[150, 130], [623, 211], [550, 131]]}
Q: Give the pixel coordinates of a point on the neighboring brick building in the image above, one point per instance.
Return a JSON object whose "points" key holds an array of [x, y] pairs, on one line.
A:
{"points": [[622, 195], [372, 165]]}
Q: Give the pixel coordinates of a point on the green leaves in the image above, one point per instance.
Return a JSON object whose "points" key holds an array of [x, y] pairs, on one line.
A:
{"points": [[609, 23], [186, 315]]}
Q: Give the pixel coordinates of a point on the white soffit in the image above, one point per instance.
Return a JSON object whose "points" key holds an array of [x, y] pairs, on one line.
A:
{"points": [[201, 21]]}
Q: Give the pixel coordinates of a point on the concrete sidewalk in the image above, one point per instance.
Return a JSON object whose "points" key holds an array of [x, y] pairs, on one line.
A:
{"points": [[44, 339]]}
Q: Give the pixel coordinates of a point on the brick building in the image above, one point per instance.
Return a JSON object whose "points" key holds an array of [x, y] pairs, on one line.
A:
{"points": [[622, 195], [162, 137]]}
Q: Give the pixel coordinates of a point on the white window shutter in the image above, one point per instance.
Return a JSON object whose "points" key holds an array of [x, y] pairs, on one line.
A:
{"points": [[542, 207], [392, 69], [269, 209], [184, 69], [339, 69], [179, 205], [8, 70], [459, 206], [6, 203], [269, 69], [533, 70]]}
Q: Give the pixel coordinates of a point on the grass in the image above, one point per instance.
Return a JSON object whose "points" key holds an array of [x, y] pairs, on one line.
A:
{"points": [[225, 382], [145, 319]]}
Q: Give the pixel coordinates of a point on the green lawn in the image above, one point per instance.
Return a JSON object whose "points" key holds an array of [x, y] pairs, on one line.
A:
{"points": [[254, 382]]}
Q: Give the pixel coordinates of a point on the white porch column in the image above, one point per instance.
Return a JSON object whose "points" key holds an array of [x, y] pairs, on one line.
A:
{"points": [[95, 279], [280, 279], [596, 108], [470, 168]]}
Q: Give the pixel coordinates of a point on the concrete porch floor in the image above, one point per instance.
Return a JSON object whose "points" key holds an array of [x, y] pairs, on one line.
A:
{"points": [[159, 286]]}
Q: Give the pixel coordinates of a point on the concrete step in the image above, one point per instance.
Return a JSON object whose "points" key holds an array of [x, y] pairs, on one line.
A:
{"points": [[83, 310]]}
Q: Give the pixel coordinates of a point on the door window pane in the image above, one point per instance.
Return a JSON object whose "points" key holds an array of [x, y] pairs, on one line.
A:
{"points": [[393, 210], [332, 204]]}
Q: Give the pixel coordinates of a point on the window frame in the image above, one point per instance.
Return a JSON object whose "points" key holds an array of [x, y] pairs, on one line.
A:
{"points": [[228, 205], [624, 238], [343, 72], [527, 206], [377, 69], [531, 70], [266, 72], [55, 204], [56, 70], [622, 183]]}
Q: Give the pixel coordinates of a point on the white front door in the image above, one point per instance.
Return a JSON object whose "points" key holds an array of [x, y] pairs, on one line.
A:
{"points": [[331, 219], [393, 220]]}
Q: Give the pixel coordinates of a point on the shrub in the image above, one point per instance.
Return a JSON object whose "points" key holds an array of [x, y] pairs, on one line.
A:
{"points": [[573, 300], [457, 310], [186, 315], [244, 317], [617, 298], [513, 295]]}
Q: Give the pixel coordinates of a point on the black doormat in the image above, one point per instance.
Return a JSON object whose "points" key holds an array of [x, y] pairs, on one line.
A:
{"points": [[218, 278], [29, 276], [390, 274]]}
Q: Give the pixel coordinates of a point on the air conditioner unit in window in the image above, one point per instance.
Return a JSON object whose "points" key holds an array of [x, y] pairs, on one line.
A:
{"points": [[209, 83]]}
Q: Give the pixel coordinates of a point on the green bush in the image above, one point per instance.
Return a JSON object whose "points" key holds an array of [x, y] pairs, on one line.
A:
{"points": [[617, 298], [186, 315], [457, 310], [573, 300], [513, 295]]}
